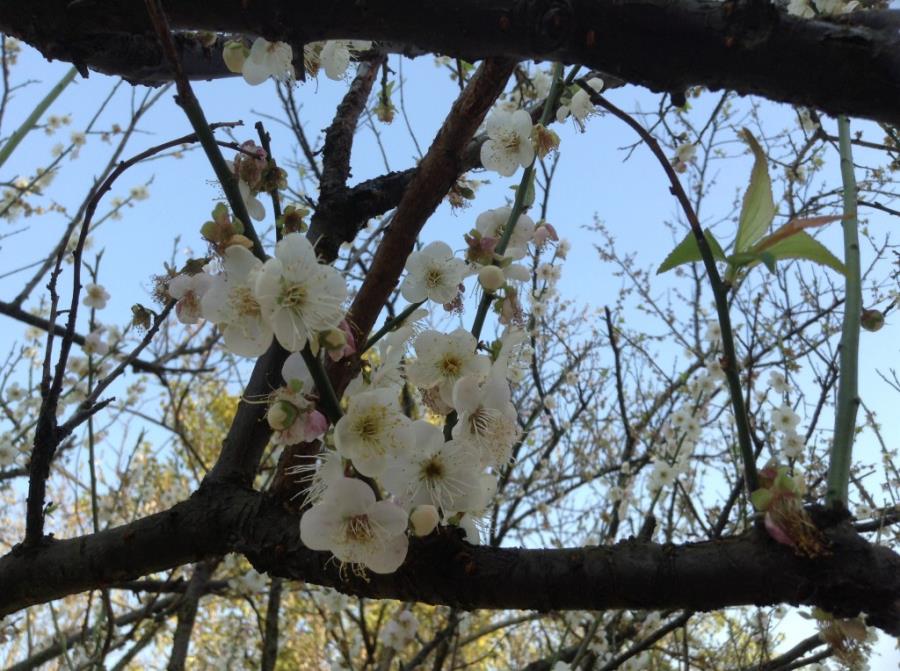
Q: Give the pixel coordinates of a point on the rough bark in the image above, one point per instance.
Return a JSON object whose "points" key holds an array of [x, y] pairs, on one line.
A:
{"points": [[846, 65]]}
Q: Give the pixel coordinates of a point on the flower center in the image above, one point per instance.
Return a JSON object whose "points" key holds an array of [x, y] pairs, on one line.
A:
{"points": [[432, 470], [244, 302], [451, 366], [293, 296], [358, 529], [368, 427], [510, 141], [433, 278]]}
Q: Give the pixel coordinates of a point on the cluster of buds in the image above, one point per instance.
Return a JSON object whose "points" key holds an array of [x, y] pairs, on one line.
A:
{"points": [[779, 497], [222, 231]]}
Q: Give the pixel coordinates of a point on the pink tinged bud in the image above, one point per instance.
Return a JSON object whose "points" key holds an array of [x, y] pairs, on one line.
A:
{"points": [[424, 519], [776, 531], [316, 424], [491, 278], [282, 415]]}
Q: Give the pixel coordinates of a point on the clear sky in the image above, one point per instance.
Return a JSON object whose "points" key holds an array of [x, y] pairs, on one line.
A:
{"points": [[631, 196]]}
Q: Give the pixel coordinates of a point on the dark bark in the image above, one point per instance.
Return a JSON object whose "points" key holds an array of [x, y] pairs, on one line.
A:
{"points": [[442, 569], [843, 65]]}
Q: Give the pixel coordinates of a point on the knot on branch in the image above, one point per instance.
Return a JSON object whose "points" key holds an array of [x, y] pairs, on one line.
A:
{"points": [[550, 23]]}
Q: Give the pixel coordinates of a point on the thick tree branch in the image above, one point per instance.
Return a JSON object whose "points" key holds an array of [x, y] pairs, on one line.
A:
{"points": [[750, 47], [443, 569]]}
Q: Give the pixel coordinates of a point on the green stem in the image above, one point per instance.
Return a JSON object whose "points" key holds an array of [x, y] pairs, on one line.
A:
{"points": [[35, 116], [519, 205], [327, 395], [848, 392], [391, 324]]}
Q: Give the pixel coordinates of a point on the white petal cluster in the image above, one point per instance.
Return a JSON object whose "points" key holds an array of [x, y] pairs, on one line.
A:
{"points": [[267, 59], [188, 290], [443, 359], [433, 273], [292, 295], [335, 56], [509, 142], [372, 431], [580, 106]]}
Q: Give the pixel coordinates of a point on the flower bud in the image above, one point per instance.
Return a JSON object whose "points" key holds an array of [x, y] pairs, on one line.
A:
{"points": [[281, 415], [424, 519], [871, 320], [491, 278]]}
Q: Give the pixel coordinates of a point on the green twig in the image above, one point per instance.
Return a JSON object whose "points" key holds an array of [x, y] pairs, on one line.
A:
{"points": [[848, 392], [391, 324], [327, 395], [35, 116], [729, 361]]}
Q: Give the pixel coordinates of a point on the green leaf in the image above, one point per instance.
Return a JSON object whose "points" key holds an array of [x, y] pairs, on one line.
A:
{"points": [[761, 499], [758, 208], [803, 246], [687, 251]]}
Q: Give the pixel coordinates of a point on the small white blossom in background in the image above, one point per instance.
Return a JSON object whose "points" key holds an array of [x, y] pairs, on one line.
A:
{"points": [[662, 476], [492, 224], [807, 122], [297, 295], [95, 296], [94, 343], [784, 419], [509, 142], [252, 582], [188, 290], [792, 446], [355, 528], [267, 59], [580, 106], [433, 273], [8, 452], [684, 155], [335, 56], [713, 333], [778, 382], [400, 631]]}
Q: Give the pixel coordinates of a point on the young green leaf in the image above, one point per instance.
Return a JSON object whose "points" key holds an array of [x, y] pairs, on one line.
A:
{"points": [[793, 227], [687, 251], [803, 246], [758, 208]]}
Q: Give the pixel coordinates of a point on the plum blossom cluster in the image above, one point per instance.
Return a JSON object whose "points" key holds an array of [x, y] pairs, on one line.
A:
{"points": [[264, 59]]}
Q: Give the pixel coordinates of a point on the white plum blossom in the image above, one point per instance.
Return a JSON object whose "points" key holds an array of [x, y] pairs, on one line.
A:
{"points": [[294, 418], [95, 296], [188, 290], [580, 106], [267, 59], [445, 475], [94, 343], [387, 374], [492, 223], [433, 273], [355, 528], [662, 476], [784, 419], [254, 206], [231, 304], [487, 419], [298, 295], [509, 142], [442, 359], [778, 382], [335, 56], [372, 431], [792, 446], [8, 452]]}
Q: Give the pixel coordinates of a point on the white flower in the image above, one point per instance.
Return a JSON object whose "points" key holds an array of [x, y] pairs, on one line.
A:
{"points": [[267, 59], [231, 304], [386, 375], [335, 56], [373, 430], [254, 206], [541, 81], [784, 419], [95, 296], [685, 152], [509, 144], [800, 8], [663, 475], [778, 382], [792, 446], [442, 359], [401, 631], [8, 452], [713, 332], [299, 296], [355, 528], [487, 418], [433, 273], [188, 290], [445, 475], [580, 106], [492, 223], [94, 343]]}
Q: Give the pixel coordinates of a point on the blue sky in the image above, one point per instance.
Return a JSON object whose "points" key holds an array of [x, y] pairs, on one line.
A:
{"points": [[631, 197]]}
